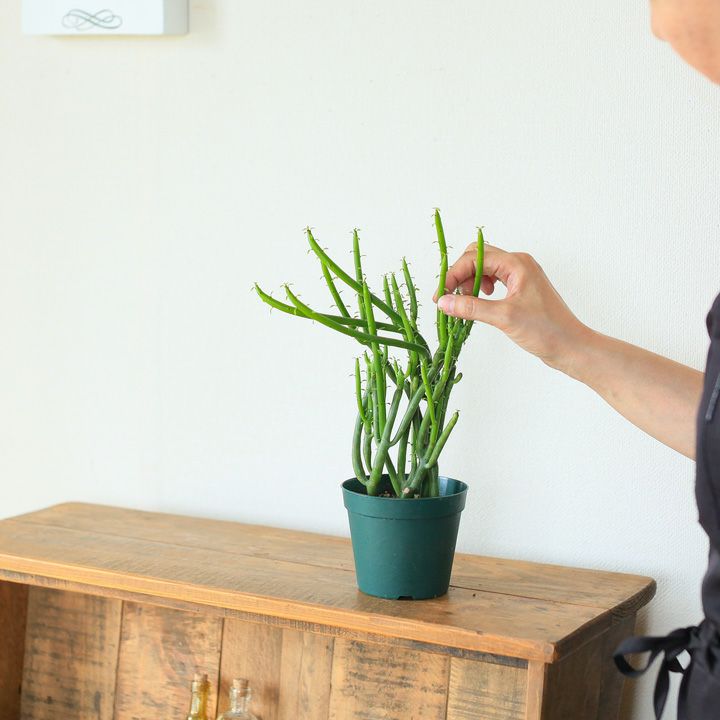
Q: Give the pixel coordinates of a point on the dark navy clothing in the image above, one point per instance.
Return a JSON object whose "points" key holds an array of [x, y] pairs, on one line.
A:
{"points": [[700, 687], [703, 695]]}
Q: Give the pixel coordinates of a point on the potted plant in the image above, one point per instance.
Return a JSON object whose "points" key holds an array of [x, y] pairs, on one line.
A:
{"points": [[403, 514]]}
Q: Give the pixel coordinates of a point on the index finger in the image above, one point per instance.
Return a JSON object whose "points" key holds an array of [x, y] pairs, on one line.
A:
{"points": [[497, 263]]}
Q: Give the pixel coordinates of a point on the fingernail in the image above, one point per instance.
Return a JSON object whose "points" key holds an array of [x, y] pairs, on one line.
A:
{"points": [[446, 303]]}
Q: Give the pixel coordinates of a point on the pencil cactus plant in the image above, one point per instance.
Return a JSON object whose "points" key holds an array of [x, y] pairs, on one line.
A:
{"points": [[401, 426]]}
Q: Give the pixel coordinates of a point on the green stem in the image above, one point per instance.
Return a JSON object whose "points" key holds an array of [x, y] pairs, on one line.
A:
{"points": [[368, 426], [414, 458], [339, 304], [367, 444], [378, 366], [447, 369], [348, 280], [412, 409], [358, 391], [441, 317], [373, 398], [393, 475], [440, 444], [363, 337], [477, 284], [386, 291], [430, 403], [415, 481], [411, 294], [433, 485], [384, 446], [410, 334], [402, 456], [358, 272], [391, 374], [479, 262], [351, 321], [358, 468]]}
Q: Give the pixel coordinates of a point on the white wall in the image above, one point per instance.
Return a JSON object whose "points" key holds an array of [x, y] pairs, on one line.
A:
{"points": [[146, 183]]}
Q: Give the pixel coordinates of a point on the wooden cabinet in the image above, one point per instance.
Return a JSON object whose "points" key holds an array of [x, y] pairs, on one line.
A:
{"points": [[107, 613]]}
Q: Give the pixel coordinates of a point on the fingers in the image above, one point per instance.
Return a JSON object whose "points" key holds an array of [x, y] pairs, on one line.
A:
{"points": [[487, 286], [468, 307], [463, 270], [508, 268], [466, 287], [497, 263]]}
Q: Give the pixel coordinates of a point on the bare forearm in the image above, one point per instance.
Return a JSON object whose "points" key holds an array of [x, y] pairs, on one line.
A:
{"points": [[658, 395]]}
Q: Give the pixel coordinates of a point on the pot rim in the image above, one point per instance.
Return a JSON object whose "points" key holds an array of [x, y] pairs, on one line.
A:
{"points": [[360, 503], [377, 498]]}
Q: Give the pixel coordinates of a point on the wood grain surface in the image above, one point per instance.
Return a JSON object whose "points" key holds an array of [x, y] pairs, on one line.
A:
{"points": [[572, 685], [71, 655], [305, 675], [509, 608], [253, 652], [486, 691], [13, 617], [288, 670], [612, 682], [607, 590], [370, 682], [160, 652]]}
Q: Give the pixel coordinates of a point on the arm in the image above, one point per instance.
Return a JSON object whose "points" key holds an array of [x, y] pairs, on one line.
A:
{"points": [[658, 395]]}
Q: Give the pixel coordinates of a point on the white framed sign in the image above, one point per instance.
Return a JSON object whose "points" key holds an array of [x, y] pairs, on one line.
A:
{"points": [[105, 17]]}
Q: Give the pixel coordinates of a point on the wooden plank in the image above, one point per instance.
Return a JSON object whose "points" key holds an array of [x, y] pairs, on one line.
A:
{"points": [[583, 685], [305, 675], [622, 593], [258, 618], [572, 685], [71, 652], [612, 681], [508, 625], [252, 652], [160, 651], [373, 681], [13, 617], [485, 691], [536, 674], [289, 670], [231, 537], [619, 592]]}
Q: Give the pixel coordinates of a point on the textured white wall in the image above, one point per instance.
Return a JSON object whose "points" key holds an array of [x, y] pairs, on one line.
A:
{"points": [[147, 182]]}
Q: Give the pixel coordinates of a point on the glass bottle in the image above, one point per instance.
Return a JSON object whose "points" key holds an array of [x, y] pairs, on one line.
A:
{"points": [[239, 702], [200, 689]]}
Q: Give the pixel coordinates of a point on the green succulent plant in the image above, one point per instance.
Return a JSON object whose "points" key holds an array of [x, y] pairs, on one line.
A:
{"points": [[406, 421]]}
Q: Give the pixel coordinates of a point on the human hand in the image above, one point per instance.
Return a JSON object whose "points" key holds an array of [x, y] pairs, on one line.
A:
{"points": [[532, 314]]}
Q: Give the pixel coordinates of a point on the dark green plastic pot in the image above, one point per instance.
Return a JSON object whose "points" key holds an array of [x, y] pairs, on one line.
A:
{"points": [[404, 548]]}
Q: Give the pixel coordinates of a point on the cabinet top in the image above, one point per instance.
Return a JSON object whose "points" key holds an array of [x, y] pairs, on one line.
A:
{"points": [[513, 608]]}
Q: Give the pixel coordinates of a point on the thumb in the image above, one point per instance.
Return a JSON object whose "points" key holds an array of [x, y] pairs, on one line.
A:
{"points": [[469, 307]]}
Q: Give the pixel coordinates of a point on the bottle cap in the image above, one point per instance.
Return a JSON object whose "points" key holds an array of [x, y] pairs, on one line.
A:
{"points": [[199, 680], [240, 684]]}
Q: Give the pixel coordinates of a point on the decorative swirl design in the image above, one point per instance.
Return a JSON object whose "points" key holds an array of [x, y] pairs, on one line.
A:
{"points": [[81, 20]]}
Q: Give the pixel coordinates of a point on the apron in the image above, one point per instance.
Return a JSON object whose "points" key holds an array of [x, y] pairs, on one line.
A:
{"points": [[699, 697]]}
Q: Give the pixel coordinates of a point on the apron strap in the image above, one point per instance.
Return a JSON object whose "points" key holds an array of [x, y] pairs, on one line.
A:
{"points": [[672, 646]]}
